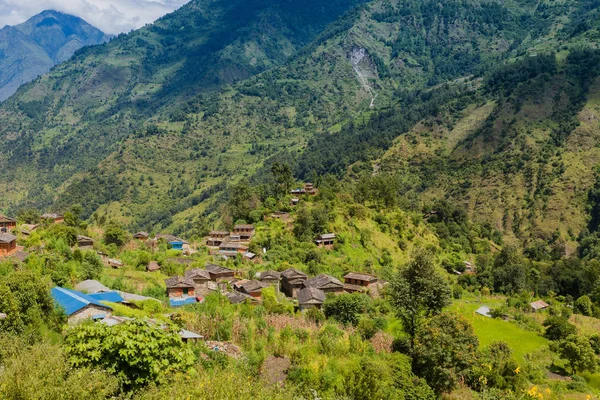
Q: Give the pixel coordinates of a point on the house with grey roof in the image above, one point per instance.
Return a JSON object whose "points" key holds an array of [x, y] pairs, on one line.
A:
{"points": [[292, 281], [326, 283], [310, 297]]}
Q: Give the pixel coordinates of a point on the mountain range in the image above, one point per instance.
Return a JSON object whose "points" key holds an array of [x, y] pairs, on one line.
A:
{"points": [[491, 104], [32, 48]]}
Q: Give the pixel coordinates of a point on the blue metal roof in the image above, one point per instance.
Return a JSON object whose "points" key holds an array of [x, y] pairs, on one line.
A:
{"points": [[72, 301], [113, 297], [182, 302]]}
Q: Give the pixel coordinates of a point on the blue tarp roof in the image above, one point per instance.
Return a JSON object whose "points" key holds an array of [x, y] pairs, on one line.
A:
{"points": [[113, 297], [182, 302], [72, 301]]}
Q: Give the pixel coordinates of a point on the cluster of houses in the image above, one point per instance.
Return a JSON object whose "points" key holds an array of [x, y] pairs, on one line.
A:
{"points": [[230, 244], [309, 292], [88, 302]]}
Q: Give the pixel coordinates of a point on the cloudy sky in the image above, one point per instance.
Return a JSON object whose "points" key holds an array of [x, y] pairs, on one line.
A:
{"points": [[111, 16]]}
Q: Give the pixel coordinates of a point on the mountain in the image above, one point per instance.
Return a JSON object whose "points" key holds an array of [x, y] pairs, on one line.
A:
{"points": [[479, 102], [32, 48]]}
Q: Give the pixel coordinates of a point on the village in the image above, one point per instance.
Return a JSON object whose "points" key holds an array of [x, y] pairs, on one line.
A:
{"points": [[90, 299]]}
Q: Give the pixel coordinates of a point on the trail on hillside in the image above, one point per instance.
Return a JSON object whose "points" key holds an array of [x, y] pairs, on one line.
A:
{"points": [[358, 55]]}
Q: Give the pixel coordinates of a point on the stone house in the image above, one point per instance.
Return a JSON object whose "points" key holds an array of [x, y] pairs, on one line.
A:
{"points": [[79, 306], [310, 297], [7, 224], [292, 281], [180, 287], [326, 283], [8, 244]]}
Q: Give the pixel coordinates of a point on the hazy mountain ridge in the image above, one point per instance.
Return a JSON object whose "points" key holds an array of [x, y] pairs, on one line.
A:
{"points": [[32, 48]]}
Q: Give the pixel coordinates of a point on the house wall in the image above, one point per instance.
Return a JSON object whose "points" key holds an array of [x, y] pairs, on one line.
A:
{"points": [[9, 226], [87, 313], [178, 292], [7, 248]]}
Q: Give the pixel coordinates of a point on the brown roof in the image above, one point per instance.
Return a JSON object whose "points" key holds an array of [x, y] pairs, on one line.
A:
{"points": [[179, 282], [4, 218], [233, 245], [270, 274], [323, 281], [293, 273], [153, 266], [81, 238], [226, 233], [360, 277], [141, 235], [197, 273], [311, 295], [539, 305], [253, 286], [217, 269], [238, 297], [348, 287], [7, 238], [243, 227]]}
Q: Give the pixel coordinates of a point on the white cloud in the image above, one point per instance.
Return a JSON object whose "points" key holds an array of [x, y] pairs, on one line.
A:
{"points": [[111, 16]]}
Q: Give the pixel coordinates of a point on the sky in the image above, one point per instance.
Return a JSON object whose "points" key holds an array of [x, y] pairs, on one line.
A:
{"points": [[111, 16]]}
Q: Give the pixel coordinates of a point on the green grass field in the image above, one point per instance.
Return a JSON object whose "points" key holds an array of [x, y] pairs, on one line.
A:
{"points": [[489, 330]]}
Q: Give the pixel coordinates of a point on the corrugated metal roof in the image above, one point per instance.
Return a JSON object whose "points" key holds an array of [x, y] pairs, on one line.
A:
{"points": [[113, 297], [72, 301], [182, 302]]}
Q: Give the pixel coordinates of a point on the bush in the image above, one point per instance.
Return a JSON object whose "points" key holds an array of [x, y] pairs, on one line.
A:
{"points": [[346, 307], [583, 306]]}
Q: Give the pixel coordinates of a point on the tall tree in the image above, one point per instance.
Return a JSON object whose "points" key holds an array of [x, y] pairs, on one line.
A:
{"points": [[283, 179], [419, 291]]}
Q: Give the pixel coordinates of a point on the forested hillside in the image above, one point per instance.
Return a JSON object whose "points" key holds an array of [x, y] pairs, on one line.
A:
{"points": [[433, 96]]}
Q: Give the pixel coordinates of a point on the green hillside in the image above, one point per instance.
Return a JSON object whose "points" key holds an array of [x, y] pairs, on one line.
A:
{"points": [[147, 128]]}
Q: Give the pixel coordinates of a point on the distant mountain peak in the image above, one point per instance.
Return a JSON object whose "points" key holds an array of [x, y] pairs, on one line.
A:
{"points": [[32, 48]]}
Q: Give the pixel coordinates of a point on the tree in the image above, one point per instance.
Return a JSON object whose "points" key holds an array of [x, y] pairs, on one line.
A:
{"points": [[578, 351], [283, 179], [346, 307], [418, 291], [115, 234], [91, 266], [135, 352], [444, 351], [510, 274], [583, 306], [558, 328]]}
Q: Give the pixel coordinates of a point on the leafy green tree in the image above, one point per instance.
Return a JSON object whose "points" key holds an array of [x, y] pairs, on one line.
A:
{"points": [[510, 273], [242, 201], [284, 179], [115, 234], [578, 351], [418, 291], [135, 352], [444, 351], [346, 307], [91, 266], [583, 306], [29, 216], [558, 328]]}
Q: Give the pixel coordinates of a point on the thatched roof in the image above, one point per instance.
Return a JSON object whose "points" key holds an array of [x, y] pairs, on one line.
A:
{"points": [[270, 275], [153, 266], [4, 218]]}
